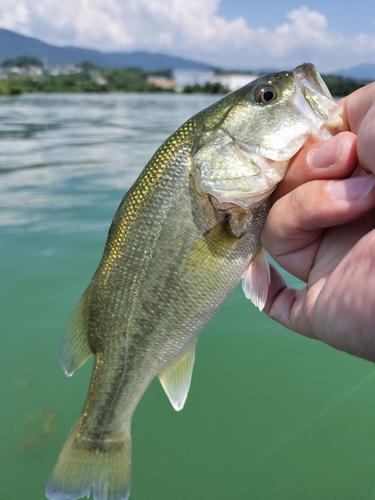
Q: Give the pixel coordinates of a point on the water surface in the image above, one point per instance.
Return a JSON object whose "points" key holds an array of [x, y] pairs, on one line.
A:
{"points": [[270, 415]]}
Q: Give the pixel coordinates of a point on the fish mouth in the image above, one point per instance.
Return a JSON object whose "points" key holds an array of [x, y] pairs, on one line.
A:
{"points": [[311, 80], [315, 101]]}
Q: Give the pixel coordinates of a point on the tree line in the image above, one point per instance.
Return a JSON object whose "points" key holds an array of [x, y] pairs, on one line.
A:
{"points": [[89, 78]]}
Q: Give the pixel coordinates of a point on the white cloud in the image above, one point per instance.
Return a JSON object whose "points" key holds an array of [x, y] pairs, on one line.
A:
{"points": [[188, 28]]}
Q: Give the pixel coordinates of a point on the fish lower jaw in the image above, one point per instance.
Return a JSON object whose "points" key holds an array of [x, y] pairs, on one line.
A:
{"points": [[336, 123], [243, 199]]}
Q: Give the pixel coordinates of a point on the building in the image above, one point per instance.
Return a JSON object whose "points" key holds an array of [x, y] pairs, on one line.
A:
{"points": [[183, 77], [161, 82], [68, 69], [232, 81]]}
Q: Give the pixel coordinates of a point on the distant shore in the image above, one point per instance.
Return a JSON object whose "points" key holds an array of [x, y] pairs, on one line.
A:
{"points": [[98, 80]]}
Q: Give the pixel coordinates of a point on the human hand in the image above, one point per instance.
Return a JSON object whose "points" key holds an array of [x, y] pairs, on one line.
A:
{"points": [[321, 230]]}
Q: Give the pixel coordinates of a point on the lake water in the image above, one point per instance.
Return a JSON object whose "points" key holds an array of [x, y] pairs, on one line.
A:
{"points": [[270, 415]]}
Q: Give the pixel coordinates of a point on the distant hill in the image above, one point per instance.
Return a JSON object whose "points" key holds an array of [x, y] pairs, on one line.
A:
{"points": [[13, 45], [361, 72]]}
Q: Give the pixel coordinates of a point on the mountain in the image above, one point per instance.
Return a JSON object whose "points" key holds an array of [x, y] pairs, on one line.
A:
{"points": [[361, 72], [13, 45]]}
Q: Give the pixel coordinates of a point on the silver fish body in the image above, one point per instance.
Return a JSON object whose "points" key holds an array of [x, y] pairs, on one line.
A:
{"points": [[181, 240]]}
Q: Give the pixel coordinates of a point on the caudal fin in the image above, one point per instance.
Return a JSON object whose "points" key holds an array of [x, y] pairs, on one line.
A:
{"points": [[107, 472]]}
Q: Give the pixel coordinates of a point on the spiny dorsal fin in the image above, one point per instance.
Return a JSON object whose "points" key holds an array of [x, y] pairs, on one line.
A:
{"points": [[256, 279], [176, 379], [75, 348]]}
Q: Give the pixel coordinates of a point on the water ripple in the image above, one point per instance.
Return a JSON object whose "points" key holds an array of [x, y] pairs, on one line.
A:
{"points": [[60, 151]]}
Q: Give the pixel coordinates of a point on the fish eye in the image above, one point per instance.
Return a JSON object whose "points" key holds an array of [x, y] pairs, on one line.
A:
{"points": [[265, 94]]}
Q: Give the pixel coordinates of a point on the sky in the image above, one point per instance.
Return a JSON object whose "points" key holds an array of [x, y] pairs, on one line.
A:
{"points": [[231, 34]]}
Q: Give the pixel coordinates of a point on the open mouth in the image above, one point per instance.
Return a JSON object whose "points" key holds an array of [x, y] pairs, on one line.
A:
{"points": [[310, 78], [314, 99]]}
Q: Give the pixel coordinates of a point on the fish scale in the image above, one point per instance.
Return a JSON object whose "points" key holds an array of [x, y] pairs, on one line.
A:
{"points": [[180, 242]]}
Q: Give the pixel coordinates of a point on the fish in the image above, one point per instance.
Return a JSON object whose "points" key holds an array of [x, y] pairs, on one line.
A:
{"points": [[183, 237]]}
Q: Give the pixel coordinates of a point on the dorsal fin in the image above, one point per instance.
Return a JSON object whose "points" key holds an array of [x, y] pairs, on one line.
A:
{"points": [[176, 379], [75, 348], [256, 279]]}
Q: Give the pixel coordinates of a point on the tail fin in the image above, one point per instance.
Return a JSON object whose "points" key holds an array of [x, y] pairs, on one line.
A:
{"points": [[78, 470]]}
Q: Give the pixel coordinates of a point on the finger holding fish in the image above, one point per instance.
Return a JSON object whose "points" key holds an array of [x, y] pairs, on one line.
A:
{"points": [[320, 231], [304, 207]]}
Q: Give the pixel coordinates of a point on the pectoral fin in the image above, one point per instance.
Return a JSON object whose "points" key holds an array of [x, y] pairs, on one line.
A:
{"points": [[75, 348], [176, 379], [256, 279], [208, 253]]}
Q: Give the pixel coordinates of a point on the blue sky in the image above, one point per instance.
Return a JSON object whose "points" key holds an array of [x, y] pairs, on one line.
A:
{"points": [[348, 16], [232, 34]]}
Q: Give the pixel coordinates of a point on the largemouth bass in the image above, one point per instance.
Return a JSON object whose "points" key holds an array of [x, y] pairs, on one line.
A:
{"points": [[181, 240]]}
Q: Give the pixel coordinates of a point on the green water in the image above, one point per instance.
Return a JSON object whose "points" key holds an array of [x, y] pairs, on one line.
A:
{"points": [[270, 415]]}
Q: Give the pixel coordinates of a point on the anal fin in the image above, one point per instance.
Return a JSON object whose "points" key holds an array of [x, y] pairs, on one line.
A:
{"points": [[176, 379], [75, 348], [256, 279]]}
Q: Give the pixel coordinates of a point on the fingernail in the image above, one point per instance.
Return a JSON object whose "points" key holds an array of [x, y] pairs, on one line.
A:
{"points": [[327, 154], [355, 188]]}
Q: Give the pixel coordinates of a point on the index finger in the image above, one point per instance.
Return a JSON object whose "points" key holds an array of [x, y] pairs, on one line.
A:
{"points": [[332, 159]]}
